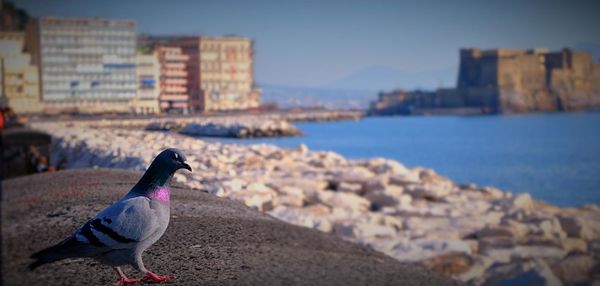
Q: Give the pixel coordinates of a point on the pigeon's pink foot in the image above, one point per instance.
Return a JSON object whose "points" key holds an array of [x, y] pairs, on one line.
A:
{"points": [[123, 280], [152, 277], [126, 281]]}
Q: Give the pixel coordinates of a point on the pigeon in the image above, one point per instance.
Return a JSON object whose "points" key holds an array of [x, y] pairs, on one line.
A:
{"points": [[118, 235]]}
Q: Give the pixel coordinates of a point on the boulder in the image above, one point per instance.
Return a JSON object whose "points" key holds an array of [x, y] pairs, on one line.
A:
{"points": [[521, 252], [427, 224], [375, 184], [390, 196], [585, 226], [477, 269], [450, 264], [350, 188], [429, 191], [445, 246], [529, 273], [552, 229], [518, 229], [306, 217], [374, 230], [420, 249], [291, 196], [523, 201], [492, 192], [496, 230], [385, 166], [233, 185], [257, 195], [344, 200], [571, 244], [574, 268], [405, 179]]}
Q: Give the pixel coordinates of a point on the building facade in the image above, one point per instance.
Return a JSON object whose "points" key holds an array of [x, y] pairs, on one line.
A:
{"points": [[84, 64], [18, 77], [220, 72], [148, 84], [518, 80], [173, 82]]}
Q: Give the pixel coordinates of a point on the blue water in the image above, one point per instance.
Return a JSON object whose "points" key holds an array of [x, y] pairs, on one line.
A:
{"points": [[555, 157]]}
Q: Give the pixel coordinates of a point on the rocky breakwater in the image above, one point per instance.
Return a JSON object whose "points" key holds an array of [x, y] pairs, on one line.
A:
{"points": [[236, 127], [480, 235], [325, 115], [276, 124]]}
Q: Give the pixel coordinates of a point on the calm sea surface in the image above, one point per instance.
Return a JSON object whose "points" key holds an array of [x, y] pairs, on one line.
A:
{"points": [[555, 157]]}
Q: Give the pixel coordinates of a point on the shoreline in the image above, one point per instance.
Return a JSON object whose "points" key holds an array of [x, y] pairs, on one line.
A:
{"points": [[413, 215], [243, 125]]}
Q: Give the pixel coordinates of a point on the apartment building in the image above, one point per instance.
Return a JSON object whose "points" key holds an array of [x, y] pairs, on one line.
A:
{"points": [[148, 87], [220, 72], [86, 65], [18, 77], [173, 83]]}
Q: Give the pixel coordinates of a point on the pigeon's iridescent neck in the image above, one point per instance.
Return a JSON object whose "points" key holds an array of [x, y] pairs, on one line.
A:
{"points": [[161, 194]]}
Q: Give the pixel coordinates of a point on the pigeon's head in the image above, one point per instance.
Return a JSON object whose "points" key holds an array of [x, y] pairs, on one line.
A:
{"points": [[172, 159]]}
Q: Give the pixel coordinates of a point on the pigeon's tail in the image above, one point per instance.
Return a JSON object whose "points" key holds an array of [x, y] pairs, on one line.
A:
{"points": [[62, 250]]}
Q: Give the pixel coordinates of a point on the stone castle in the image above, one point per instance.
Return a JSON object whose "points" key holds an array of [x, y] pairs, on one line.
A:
{"points": [[508, 81]]}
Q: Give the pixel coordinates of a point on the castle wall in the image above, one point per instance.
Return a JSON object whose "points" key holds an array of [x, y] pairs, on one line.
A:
{"points": [[516, 81]]}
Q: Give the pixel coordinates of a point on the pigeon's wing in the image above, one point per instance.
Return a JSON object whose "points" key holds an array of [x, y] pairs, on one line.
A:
{"points": [[120, 226]]}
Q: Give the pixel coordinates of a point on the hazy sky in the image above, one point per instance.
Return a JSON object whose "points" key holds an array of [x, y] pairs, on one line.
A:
{"points": [[312, 43]]}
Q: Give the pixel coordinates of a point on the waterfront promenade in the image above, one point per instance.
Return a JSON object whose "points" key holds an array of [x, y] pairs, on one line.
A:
{"points": [[210, 241]]}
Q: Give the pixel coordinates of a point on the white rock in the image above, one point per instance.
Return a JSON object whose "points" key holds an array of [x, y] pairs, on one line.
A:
{"points": [[344, 200], [523, 201], [420, 249], [571, 244], [291, 196], [314, 217], [405, 179], [492, 192], [390, 196], [349, 187]]}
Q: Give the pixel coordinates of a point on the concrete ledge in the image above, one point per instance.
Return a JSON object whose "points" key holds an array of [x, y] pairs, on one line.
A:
{"points": [[210, 241]]}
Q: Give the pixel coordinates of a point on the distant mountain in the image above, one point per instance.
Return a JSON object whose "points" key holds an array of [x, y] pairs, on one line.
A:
{"points": [[386, 78], [330, 98], [357, 90]]}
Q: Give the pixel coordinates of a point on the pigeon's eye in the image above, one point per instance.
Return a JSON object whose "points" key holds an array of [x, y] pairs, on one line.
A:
{"points": [[175, 156]]}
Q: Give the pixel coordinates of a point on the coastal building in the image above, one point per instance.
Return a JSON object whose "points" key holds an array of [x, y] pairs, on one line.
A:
{"points": [[529, 80], [511, 81], [173, 82], [86, 65], [220, 72], [18, 77], [148, 77]]}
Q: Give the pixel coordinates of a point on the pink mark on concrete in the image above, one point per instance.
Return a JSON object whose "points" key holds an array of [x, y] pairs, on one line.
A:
{"points": [[162, 194]]}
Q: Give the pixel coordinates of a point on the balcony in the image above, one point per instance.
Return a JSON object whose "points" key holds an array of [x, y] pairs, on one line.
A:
{"points": [[174, 89], [179, 57], [175, 81], [174, 65], [174, 97], [174, 73]]}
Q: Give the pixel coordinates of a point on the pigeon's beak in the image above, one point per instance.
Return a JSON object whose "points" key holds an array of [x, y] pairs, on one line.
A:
{"points": [[186, 166]]}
